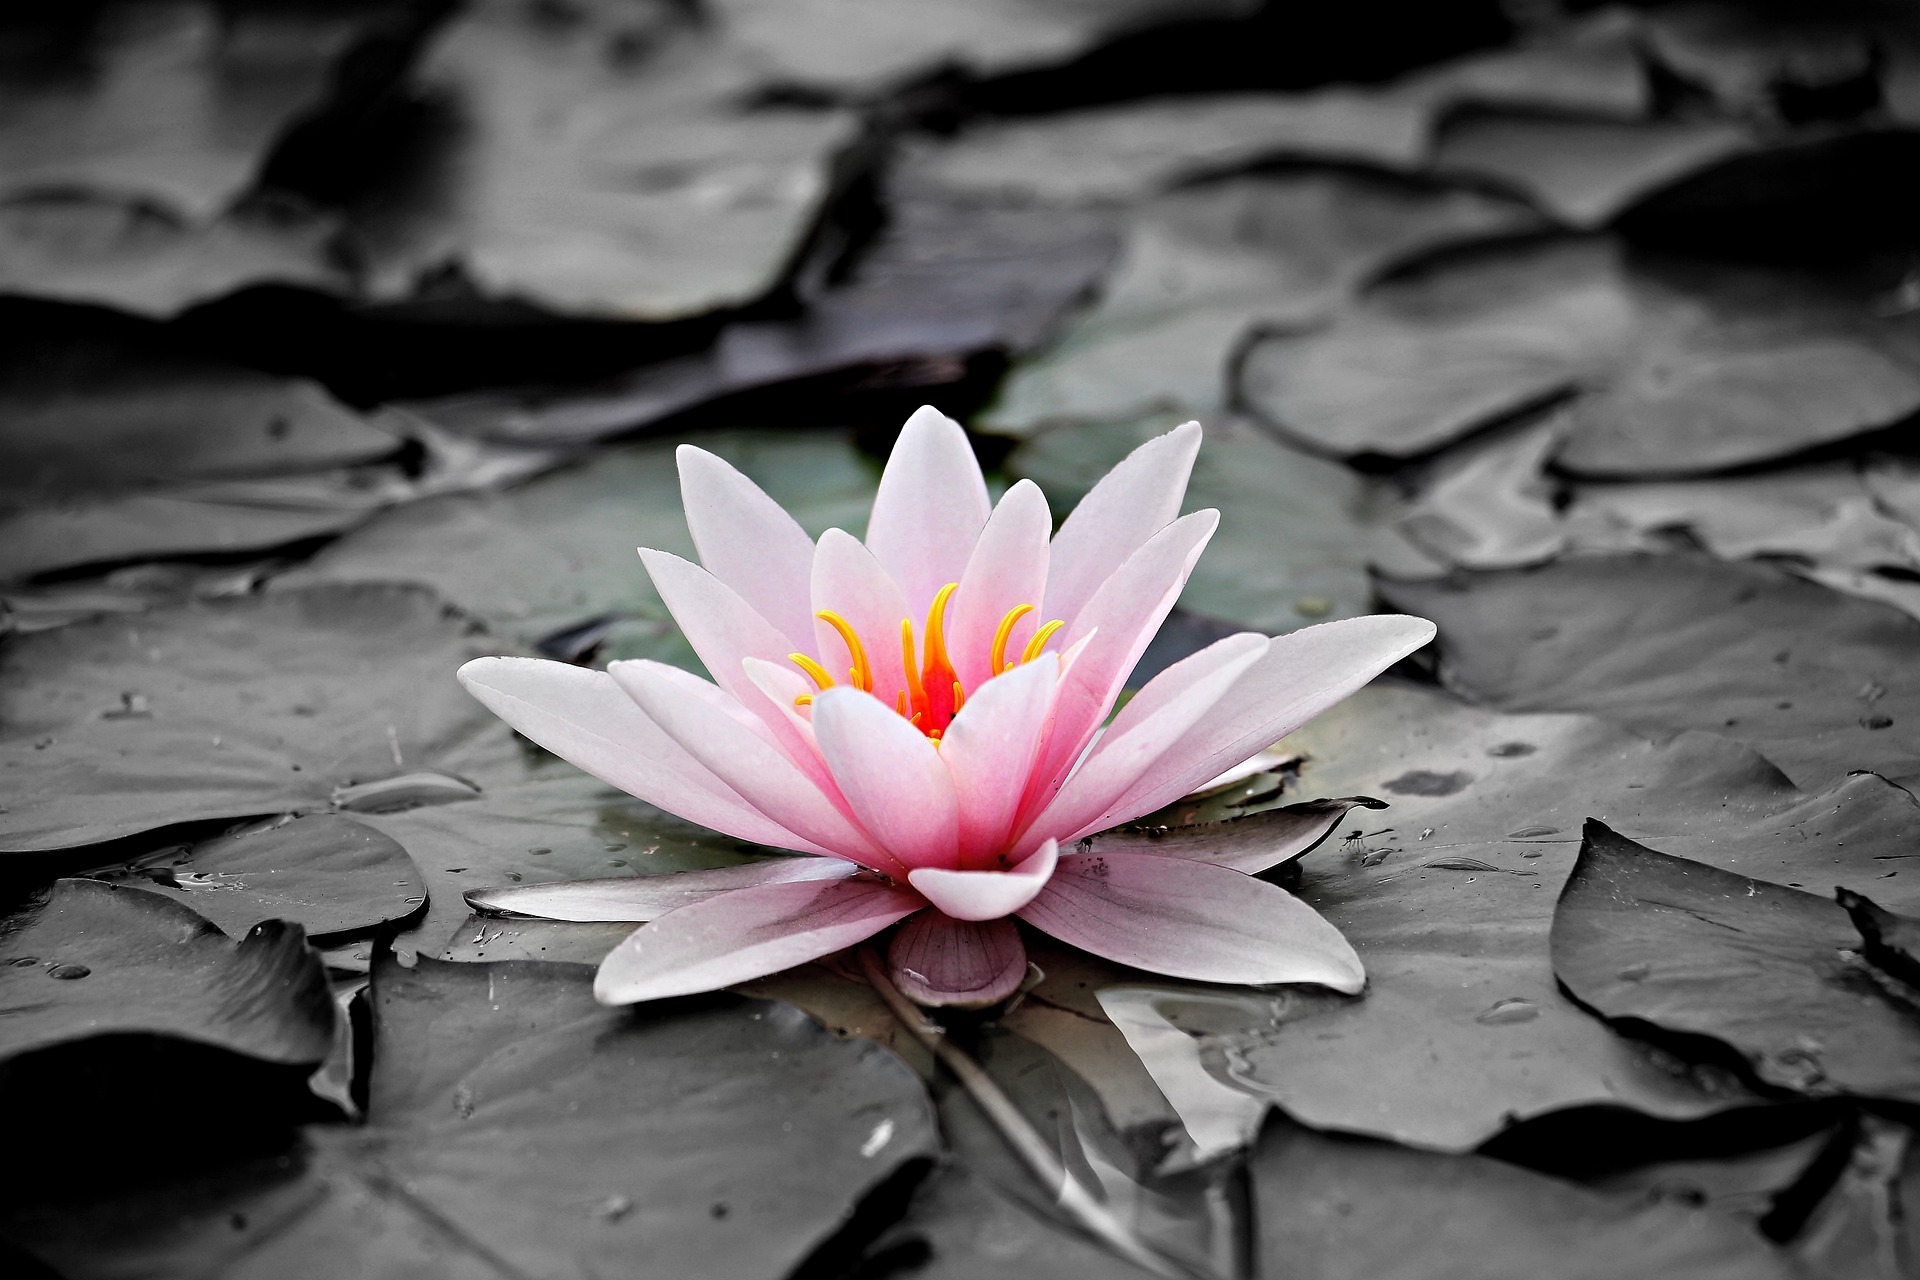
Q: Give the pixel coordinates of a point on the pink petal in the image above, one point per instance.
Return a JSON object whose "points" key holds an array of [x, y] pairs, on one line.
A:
{"points": [[930, 507], [1191, 920], [891, 776], [970, 964], [1120, 619], [748, 933], [1140, 735], [740, 752], [582, 716], [638, 898], [748, 541], [1008, 568], [1302, 674], [850, 582], [989, 750], [986, 895], [1131, 503]]}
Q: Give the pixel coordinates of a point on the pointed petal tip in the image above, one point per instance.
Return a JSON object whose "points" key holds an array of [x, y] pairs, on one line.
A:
{"points": [[986, 895]]}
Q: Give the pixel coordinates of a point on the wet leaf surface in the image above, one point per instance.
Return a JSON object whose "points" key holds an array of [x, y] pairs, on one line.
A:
{"points": [[1807, 676], [1687, 949], [518, 1128], [105, 960]]}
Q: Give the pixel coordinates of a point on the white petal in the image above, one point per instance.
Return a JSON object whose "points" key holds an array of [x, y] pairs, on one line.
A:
{"points": [[986, 895], [641, 898], [930, 508], [748, 541], [1129, 505], [891, 776]]}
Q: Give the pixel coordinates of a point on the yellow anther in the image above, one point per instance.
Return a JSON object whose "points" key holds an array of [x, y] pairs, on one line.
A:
{"points": [[910, 666], [900, 702], [1040, 638], [997, 659], [959, 697], [804, 700], [819, 674], [861, 675]]}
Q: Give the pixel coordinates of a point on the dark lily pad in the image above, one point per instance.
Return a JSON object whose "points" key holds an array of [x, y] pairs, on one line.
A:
{"points": [[1767, 60], [1892, 941], [229, 708], [1679, 368], [1812, 679], [1330, 1205], [1448, 897], [1648, 940], [99, 959], [326, 873], [514, 1127]]}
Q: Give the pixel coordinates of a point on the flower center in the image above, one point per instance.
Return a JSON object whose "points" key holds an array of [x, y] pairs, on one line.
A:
{"points": [[933, 695]]}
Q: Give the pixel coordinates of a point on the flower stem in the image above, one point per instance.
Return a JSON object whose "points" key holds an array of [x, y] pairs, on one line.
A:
{"points": [[1034, 1151]]}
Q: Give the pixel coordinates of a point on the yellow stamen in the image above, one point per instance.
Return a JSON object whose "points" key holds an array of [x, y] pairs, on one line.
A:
{"points": [[862, 674], [1040, 638], [819, 674], [908, 663], [900, 702], [937, 630], [959, 697], [997, 659], [804, 700]]}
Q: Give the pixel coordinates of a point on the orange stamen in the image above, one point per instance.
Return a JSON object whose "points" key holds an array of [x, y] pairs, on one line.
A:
{"points": [[910, 664], [997, 659], [959, 697]]}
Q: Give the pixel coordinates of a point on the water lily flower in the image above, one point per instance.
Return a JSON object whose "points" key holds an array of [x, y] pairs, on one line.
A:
{"points": [[922, 714]]}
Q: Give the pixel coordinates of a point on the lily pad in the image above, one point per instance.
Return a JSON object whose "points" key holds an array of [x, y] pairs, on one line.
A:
{"points": [[515, 1127], [326, 873], [1810, 678], [1676, 368], [99, 959], [229, 708], [1329, 1206], [1686, 949]]}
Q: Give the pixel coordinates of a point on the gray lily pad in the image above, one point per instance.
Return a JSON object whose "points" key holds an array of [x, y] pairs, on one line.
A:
{"points": [[602, 167], [1331, 1206], [1811, 678], [1202, 265], [559, 551], [1652, 941], [1753, 60], [229, 708], [1679, 368], [1292, 547], [99, 959], [326, 873], [1448, 897], [514, 1127]]}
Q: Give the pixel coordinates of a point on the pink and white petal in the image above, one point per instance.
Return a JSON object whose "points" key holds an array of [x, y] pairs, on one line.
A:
{"points": [[585, 718], [1008, 568], [986, 895], [1302, 674], [989, 750], [1121, 620], [967, 964], [891, 776], [641, 898], [1146, 727], [848, 581], [746, 934], [930, 508], [741, 754], [748, 541], [1191, 920], [1129, 505]]}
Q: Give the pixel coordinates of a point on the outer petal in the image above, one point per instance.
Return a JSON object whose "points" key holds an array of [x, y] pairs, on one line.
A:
{"points": [[703, 720], [891, 776], [1131, 503], [989, 751], [1191, 920], [1008, 568], [583, 717], [639, 898], [747, 934], [1140, 735], [1303, 673], [937, 960], [748, 541], [986, 895], [850, 582], [930, 507]]}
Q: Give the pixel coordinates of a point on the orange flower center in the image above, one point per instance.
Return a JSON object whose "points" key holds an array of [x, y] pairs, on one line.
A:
{"points": [[933, 695]]}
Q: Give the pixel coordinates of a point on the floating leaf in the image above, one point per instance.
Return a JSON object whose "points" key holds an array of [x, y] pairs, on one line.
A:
{"points": [[100, 959], [1688, 949]]}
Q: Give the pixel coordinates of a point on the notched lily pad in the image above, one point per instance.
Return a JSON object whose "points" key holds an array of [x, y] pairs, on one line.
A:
{"points": [[1680, 948], [100, 959]]}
